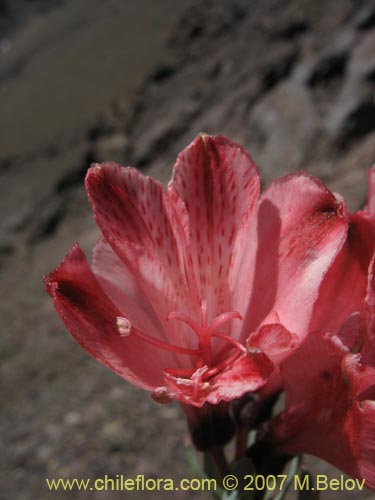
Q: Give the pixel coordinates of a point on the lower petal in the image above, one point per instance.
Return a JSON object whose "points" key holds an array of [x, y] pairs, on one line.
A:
{"points": [[90, 316], [248, 374]]}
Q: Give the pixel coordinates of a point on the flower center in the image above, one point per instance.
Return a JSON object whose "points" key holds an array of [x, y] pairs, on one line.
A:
{"points": [[207, 363], [205, 332]]}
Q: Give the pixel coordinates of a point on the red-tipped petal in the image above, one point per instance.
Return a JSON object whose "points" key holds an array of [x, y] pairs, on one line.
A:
{"points": [[90, 316]]}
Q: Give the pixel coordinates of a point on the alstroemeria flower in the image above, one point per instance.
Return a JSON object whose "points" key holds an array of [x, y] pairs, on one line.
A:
{"points": [[330, 380], [199, 291]]}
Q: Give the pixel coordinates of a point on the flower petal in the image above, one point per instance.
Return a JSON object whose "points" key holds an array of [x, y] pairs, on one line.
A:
{"points": [[330, 396], [123, 288], [275, 340], [300, 229], [361, 417], [371, 192], [142, 228], [216, 185], [348, 276], [90, 316], [135, 217], [248, 374], [369, 344]]}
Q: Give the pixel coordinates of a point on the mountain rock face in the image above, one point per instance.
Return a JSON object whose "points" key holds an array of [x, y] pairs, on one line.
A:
{"points": [[292, 80], [14, 13]]}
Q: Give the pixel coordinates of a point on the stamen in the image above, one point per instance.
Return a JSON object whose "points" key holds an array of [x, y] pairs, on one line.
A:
{"points": [[223, 318], [198, 374], [205, 332], [186, 319], [219, 355], [184, 381], [197, 380], [124, 325], [162, 395], [192, 381], [223, 365], [252, 349], [230, 341]]}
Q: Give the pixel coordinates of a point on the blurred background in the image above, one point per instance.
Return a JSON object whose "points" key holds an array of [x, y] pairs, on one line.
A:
{"points": [[134, 81]]}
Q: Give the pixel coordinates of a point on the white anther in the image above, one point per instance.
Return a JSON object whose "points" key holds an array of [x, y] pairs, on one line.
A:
{"points": [[124, 326]]}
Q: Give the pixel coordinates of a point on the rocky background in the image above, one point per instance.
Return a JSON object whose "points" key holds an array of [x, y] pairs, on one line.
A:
{"points": [[135, 81]]}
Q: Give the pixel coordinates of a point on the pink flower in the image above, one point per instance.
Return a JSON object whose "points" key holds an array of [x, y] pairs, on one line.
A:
{"points": [[199, 292], [330, 379]]}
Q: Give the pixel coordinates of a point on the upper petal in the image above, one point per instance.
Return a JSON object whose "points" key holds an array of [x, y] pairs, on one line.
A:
{"points": [[215, 187], [348, 286], [300, 229], [131, 207], [343, 290], [124, 290], [142, 228]]}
